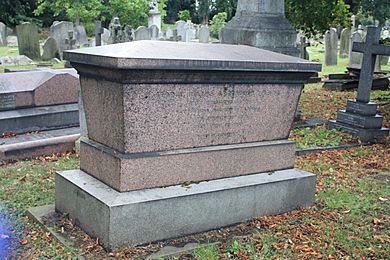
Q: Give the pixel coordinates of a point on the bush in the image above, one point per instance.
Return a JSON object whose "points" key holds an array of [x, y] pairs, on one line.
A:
{"points": [[217, 23], [184, 15]]}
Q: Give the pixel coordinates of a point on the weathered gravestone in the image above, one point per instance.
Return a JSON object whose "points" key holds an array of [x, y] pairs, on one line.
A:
{"points": [[99, 30], [154, 32], [169, 34], [116, 32], [167, 113], [189, 32], [360, 116], [180, 29], [44, 101], [355, 59], [204, 34], [80, 34], [345, 41], [50, 49], [28, 40], [60, 32], [263, 24], [106, 36], [3, 34], [142, 33], [331, 44]]}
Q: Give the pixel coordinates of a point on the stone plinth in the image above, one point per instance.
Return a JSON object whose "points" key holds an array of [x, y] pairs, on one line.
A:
{"points": [[261, 23], [160, 114]]}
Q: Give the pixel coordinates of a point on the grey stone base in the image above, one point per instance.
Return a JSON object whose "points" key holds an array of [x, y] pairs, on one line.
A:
{"points": [[34, 145], [39, 118], [366, 135], [259, 31], [139, 217], [364, 109], [136, 171], [359, 121]]}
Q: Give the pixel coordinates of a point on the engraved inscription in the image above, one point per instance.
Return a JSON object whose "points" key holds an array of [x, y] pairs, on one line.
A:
{"points": [[7, 101]]}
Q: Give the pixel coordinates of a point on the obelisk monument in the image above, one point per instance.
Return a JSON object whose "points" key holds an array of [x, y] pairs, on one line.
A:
{"points": [[262, 24]]}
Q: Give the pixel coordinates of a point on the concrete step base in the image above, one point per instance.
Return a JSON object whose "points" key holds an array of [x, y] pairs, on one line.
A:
{"points": [[139, 217]]}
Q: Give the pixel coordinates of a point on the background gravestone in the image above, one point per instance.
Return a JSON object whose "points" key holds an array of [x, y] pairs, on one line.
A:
{"points": [[50, 49], [154, 32], [3, 34], [331, 44], [189, 32], [345, 41], [59, 31], [80, 35], [355, 59], [263, 24], [106, 36], [28, 40], [204, 34], [141, 33], [169, 34], [180, 29]]}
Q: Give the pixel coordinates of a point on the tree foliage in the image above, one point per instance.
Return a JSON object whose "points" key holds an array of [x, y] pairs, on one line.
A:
{"points": [[13, 12], [375, 9], [131, 12], [313, 17], [217, 23]]}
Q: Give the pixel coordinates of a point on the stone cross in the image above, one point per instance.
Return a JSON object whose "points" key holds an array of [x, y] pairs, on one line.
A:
{"points": [[98, 33], [70, 40], [370, 49]]}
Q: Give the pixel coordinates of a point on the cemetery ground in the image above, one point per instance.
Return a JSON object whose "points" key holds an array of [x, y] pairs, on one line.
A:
{"points": [[350, 218]]}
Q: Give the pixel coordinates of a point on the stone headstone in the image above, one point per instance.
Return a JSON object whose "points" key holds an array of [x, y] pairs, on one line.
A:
{"points": [[189, 32], [38, 88], [106, 36], [142, 33], [19, 60], [145, 140], [263, 24], [169, 34], [204, 34], [28, 40], [3, 34], [50, 49], [80, 35], [154, 32], [386, 33], [180, 29], [60, 32], [345, 41], [355, 59], [331, 47], [12, 41]]}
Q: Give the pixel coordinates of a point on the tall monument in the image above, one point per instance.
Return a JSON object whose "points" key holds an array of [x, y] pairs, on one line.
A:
{"points": [[263, 24]]}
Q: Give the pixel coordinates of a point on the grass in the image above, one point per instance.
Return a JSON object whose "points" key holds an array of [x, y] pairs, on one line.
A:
{"points": [[13, 51], [317, 54], [320, 136]]}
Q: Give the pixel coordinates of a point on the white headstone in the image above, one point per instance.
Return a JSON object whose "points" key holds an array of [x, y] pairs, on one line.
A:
{"points": [[154, 32], [180, 29], [189, 32], [169, 34], [204, 34], [106, 36], [142, 33]]}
